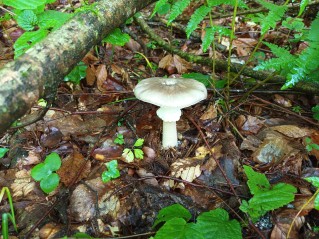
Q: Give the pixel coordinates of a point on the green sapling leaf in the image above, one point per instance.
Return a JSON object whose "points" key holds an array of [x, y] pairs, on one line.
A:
{"points": [[3, 151], [116, 37], [139, 154], [112, 171], [27, 20], [173, 211], [313, 180], [119, 139], [128, 155], [40, 171], [50, 183], [139, 142], [257, 182]]}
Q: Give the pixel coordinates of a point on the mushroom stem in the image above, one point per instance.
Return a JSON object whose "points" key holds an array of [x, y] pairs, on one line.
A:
{"points": [[169, 134]]}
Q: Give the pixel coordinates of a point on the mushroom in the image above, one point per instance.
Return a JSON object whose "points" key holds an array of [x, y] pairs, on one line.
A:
{"points": [[171, 95]]}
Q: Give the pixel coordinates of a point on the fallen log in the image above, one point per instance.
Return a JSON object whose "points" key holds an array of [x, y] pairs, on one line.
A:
{"points": [[34, 74]]}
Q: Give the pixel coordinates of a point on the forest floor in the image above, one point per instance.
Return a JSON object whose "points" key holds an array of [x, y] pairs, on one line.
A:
{"points": [[93, 122]]}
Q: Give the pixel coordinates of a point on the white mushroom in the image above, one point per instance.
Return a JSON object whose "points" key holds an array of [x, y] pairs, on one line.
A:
{"points": [[171, 95]]}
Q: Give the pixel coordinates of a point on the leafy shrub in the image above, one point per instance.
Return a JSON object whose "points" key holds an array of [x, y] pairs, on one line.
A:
{"points": [[214, 224], [266, 197]]}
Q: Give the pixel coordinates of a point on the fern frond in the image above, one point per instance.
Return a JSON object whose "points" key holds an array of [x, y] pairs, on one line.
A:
{"points": [[210, 35], [177, 9], [159, 4], [278, 51], [308, 61], [213, 3], [196, 18], [275, 14]]}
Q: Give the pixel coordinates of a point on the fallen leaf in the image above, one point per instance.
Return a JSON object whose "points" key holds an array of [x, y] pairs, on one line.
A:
{"points": [[23, 184], [292, 131]]}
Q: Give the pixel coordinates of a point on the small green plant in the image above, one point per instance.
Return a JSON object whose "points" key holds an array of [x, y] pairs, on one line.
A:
{"points": [[315, 111], [315, 182], [3, 152], [174, 222], [119, 139], [77, 74], [112, 171], [310, 145], [44, 172], [266, 197], [7, 216], [296, 109], [134, 152], [117, 38]]}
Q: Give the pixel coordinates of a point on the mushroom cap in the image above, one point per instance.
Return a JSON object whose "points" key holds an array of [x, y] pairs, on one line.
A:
{"points": [[170, 92]]}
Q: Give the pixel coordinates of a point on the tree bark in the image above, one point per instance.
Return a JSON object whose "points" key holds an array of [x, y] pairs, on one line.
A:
{"points": [[43, 67]]}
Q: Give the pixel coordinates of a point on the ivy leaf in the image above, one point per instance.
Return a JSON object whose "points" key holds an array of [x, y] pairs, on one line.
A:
{"points": [[170, 212], [215, 224], [112, 171], [3, 151], [27, 20], [50, 183], [177, 228], [116, 37], [139, 142]]}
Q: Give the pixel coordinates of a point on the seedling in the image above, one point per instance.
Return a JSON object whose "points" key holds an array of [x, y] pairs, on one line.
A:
{"points": [[310, 145], [7, 216], [112, 171], [315, 111], [266, 197], [119, 139], [134, 152], [3, 152], [44, 172]]}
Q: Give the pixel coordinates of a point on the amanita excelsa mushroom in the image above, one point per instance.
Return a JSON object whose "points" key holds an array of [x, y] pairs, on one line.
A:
{"points": [[171, 95]]}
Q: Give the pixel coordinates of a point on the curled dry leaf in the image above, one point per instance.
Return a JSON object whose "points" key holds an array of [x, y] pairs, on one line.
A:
{"points": [[282, 101], [143, 173], [23, 184], [252, 125]]}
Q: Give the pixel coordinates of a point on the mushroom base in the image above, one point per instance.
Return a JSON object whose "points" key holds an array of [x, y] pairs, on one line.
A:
{"points": [[169, 134]]}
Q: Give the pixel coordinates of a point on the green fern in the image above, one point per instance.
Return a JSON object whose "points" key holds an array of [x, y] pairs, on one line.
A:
{"points": [[210, 35], [275, 14], [307, 64], [303, 5], [282, 64], [196, 18], [177, 9], [159, 4], [213, 3]]}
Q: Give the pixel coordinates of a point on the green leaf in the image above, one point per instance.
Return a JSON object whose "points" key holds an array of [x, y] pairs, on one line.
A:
{"points": [[213, 3], [303, 5], [205, 79], [308, 140], [53, 20], [3, 151], [177, 9], [313, 180], [53, 161], [116, 37], [81, 235], [257, 182], [316, 202], [198, 16], [50, 183], [119, 139], [40, 172], [215, 224], [77, 74], [177, 228], [112, 171], [262, 202], [139, 154], [161, 7], [23, 4], [170, 212], [139, 142], [27, 20], [27, 40]]}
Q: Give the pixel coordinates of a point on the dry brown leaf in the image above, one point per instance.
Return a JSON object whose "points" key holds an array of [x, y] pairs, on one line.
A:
{"points": [[244, 46], [181, 65], [23, 184], [166, 61], [90, 75], [49, 230], [101, 75], [210, 113], [283, 221], [292, 131], [188, 169], [74, 168], [285, 102], [143, 173], [252, 125]]}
